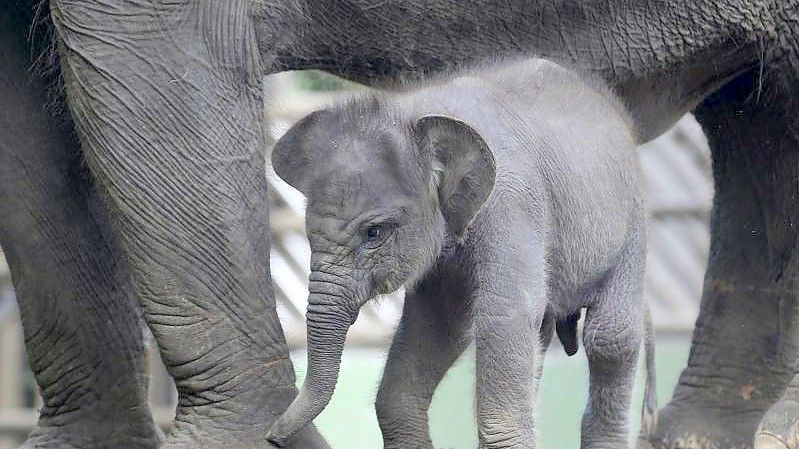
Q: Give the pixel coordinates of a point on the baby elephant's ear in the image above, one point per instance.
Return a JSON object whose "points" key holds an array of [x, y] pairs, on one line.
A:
{"points": [[293, 153], [463, 165]]}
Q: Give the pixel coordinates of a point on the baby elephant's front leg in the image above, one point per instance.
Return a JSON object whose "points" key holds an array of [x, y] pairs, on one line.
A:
{"points": [[612, 337], [508, 314]]}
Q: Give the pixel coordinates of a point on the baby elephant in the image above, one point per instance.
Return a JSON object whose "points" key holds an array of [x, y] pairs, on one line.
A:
{"points": [[497, 198]]}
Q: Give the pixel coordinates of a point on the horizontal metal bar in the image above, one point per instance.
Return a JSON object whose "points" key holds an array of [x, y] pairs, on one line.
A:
{"points": [[17, 422]]}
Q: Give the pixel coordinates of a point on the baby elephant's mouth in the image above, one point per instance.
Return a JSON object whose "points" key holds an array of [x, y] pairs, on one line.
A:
{"points": [[388, 287]]}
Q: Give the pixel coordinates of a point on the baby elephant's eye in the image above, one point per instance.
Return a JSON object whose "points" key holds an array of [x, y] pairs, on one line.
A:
{"points": [[376, 234]]}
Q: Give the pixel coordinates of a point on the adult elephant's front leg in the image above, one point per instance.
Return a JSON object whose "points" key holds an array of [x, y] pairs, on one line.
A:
{"points": [[82, 326], [167, 100], [745, 341]]}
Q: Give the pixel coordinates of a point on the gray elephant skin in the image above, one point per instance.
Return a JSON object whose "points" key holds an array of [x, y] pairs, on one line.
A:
{"points": [[142, 200], [498, 197]]}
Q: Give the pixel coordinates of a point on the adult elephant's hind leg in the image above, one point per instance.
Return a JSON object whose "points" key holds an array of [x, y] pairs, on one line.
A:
{"points": [[745, 341], [82, 327]]}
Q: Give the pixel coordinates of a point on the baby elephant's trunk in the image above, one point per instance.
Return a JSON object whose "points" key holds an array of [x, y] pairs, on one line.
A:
{"points": [[328, 319]]}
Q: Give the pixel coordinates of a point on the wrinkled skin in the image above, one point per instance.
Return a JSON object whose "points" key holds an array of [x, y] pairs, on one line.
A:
{"points": [[82, 329], [431, 186], [165, 98]]}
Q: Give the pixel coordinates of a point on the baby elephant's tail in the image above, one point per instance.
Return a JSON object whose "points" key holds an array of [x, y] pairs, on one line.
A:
{"points": [[650, 407]]}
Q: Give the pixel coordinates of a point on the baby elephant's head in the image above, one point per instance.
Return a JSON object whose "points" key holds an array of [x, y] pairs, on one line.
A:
{"points": [[383, 192]]}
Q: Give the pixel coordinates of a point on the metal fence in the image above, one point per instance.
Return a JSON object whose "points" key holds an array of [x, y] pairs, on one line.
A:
{"points": [[676, 167]]}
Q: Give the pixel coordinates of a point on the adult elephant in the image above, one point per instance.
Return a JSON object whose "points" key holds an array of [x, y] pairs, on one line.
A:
{"points": [[168, 209]]}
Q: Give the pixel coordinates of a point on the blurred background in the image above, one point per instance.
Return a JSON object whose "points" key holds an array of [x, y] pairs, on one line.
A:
{"points": [[677, 171]]}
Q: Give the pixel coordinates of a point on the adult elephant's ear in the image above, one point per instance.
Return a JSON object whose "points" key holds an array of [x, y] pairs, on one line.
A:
{"points": [[293, 153], [463, 167]]}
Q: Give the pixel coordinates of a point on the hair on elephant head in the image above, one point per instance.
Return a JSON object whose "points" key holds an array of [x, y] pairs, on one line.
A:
{"points": [[384, 191]]}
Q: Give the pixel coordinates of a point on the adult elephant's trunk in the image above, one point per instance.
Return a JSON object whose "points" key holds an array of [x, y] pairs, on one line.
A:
{"points": [[330, 314]]}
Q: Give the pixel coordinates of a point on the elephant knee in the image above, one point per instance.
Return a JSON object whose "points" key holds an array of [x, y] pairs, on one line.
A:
{"points": [[384, 408], [402, 419], [616, 343], [498, 433], [397, 409], [386, 396]]}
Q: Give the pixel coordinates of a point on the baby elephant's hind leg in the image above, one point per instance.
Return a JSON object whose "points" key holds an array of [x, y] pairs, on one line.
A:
{"points": [[612, 337]]}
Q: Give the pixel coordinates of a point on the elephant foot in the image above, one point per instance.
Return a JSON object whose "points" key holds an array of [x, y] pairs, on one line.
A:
{"points": [[219, 429], [779, 428], [703, 428], [86, 434], [769, 440]]}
